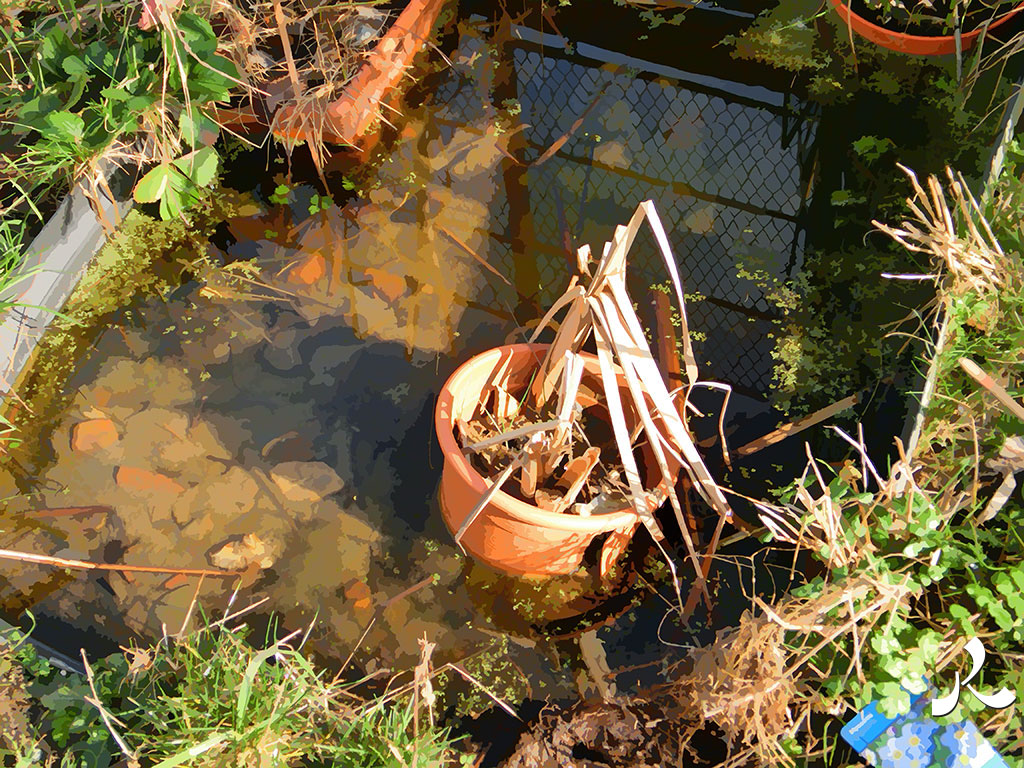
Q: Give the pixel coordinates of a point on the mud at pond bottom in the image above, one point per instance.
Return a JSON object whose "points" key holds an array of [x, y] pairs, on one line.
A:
{"points": [[286, 430], [647, 730], [319, 475]]}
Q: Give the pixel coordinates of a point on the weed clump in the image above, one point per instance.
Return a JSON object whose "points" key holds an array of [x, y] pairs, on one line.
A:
{"points": [[211, 697], [919, 559], [740, 684]]}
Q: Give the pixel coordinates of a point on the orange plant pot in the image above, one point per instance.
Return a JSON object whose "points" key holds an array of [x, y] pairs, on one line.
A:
{"points": [[915, 45], [510, 535], [349, 117]]}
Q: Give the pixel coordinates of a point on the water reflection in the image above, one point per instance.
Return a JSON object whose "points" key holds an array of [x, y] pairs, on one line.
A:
{"points": [[283, 417]]}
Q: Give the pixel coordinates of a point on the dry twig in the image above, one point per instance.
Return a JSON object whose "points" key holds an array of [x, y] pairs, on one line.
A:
{"points": [[61, 562], [108, 719]]}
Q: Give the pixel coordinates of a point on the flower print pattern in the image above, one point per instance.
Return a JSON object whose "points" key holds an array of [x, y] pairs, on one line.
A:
{"points": [[910, 747], [920, 733], [891, 754], [963, 740]]}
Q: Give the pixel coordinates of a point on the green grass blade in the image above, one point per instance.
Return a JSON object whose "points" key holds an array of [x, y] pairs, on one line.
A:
{"points": [[193, 751], [245, 688]]}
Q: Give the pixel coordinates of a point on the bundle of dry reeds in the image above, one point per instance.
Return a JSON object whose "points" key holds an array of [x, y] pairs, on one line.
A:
{"points": [[957, 236], [604, 311]]}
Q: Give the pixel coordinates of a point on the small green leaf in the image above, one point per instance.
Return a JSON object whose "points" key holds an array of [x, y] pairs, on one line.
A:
{"points": [[212, 83], [171, 203], [872, 147], [200, 167], [198, 130], [68, 124], [913, 549], [885, 644], [56, 47], [842, 197], [74, 66], [893, 666], [838, 488], [958, 612], [792, 747], [894, 700], [982, 595], [198, 34], [140, 103], [280, 195], [1002, 617], [115, 94], [151, 187], [78, 86], [178, 193], [1017, 574]]}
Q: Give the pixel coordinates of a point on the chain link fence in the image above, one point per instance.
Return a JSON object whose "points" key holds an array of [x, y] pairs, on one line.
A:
{"points": [[727, 172]]}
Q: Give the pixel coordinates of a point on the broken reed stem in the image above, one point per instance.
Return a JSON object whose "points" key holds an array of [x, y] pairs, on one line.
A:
{"points": [[797, 426], [558, 143], [69, 511], [315, 149], [1005, 398], [859, 446], [695, 592], [846, 627], [666, 343], [504, 437], [422, 689], [486, 498], [487, 691], [61, 562], [483, 262], [668, 355], [931, 380], [191, 606], [377, 612], [399, 691]]}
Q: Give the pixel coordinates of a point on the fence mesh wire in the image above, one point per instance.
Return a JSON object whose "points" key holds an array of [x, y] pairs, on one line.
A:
{"points": [[726, 173]]}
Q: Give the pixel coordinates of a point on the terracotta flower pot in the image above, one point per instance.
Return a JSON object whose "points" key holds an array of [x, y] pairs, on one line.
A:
{"points": [[510, 535], [349, 117], [915, 45]]}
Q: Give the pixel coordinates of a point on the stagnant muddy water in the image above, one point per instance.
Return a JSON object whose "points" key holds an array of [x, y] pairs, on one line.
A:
{"points": [[288, 424]]}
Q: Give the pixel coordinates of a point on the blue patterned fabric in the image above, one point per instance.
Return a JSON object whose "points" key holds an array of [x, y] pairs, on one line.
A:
{"points": [[914, 740]]}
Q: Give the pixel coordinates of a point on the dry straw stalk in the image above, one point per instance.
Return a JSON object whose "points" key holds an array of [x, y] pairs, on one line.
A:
{"points": [[604, 311]]}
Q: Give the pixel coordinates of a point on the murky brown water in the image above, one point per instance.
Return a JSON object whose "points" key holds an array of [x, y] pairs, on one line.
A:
{"points": [[286, 420]]}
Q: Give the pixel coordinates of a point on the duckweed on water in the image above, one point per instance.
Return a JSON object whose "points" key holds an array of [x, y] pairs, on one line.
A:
{"points": [[144, 258]]}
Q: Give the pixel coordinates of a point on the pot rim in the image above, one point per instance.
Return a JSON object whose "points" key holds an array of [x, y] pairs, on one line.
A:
{"points": [[920, 45], [444, 428]]}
